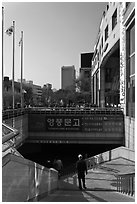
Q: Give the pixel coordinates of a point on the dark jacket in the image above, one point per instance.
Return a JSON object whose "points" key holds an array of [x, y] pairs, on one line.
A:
{"points": [[58, 164], [81, 167]]}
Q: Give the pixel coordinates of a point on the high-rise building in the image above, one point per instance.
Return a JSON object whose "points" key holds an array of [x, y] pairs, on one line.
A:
{"points": [[86, 59], [85, 71], [68, 77]]}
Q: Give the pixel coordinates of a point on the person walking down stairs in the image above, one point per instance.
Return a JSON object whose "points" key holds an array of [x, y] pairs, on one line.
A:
{"points": [[81, 170]]}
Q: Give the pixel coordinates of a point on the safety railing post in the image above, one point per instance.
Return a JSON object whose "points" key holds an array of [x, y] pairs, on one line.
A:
{"points": [[130, 185], [133, 185], [126, 184], [118, 184], [122, 185]]}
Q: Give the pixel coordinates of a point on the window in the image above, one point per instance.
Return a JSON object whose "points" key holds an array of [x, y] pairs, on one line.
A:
{"points": [[127, 4], [131, 70], [98, 56], [102, 42], [114, 19], [132, 40], [100, 52], [106, 33], [132, 65]]}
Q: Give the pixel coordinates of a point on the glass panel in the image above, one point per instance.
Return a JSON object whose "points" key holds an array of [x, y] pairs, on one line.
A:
{"points": [[114, 19], [106, 33], [132, 40], [131, 109], [127, 3], [132, 65], [102, 42], [133, 89]]}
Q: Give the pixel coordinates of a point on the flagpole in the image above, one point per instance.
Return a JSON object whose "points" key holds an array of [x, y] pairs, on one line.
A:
{"points": [[22, 102], [13, 94], [2, 58]]}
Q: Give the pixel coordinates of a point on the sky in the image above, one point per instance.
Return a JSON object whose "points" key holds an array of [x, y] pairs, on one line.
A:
{"points": [[55, 35]]}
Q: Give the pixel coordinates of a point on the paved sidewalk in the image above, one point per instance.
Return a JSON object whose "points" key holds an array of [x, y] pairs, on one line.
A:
{"points": [[101, 186]]}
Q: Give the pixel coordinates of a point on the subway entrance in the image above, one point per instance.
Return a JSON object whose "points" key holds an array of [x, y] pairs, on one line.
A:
{"points": [[45, 154]]}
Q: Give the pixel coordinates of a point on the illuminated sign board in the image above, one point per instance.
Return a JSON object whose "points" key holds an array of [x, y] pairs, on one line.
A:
{"points": [[75, 123], [63, 123]]}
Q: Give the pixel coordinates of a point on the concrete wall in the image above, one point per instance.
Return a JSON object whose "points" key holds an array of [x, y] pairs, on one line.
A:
{"points": [[24, 180], [130, 132]]}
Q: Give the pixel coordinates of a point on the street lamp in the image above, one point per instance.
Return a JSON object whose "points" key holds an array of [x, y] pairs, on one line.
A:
{"points": [[21, 61]]}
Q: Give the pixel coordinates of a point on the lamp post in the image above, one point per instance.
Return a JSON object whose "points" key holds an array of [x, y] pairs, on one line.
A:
{"points": [[9, 32], [21, 53], [2, 57], [13, 94]]}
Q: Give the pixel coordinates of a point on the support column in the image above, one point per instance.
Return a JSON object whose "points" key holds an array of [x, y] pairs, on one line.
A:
{"points": [[95, 89], [92, 90], [102, 87]]}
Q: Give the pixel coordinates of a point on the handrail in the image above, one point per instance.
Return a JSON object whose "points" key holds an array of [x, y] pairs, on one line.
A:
{"points": [[10, 135], [8, 127], [70, 110], [7, 139], [9, 113], [8, 146], [126, 183], [76, 108]]}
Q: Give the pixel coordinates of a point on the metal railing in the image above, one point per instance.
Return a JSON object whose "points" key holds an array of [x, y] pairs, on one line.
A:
{"points": [[10, 113], [8, 136], [126, 184], [8, 133], [75, 110]]}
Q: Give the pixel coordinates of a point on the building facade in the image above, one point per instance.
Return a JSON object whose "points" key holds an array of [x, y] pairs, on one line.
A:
{"points": [[68, 77], [113, 64], [105, 63], [129, 74], [36, 92]]}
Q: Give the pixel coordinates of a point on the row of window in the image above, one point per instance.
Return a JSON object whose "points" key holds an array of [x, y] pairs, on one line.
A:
{"points": [[114, 22], [130, 36], [130, 63]]}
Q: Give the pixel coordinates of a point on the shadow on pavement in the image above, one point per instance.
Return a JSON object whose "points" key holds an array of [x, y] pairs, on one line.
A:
{"points": [[100, 179], [98, 199], [100, 189]]}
